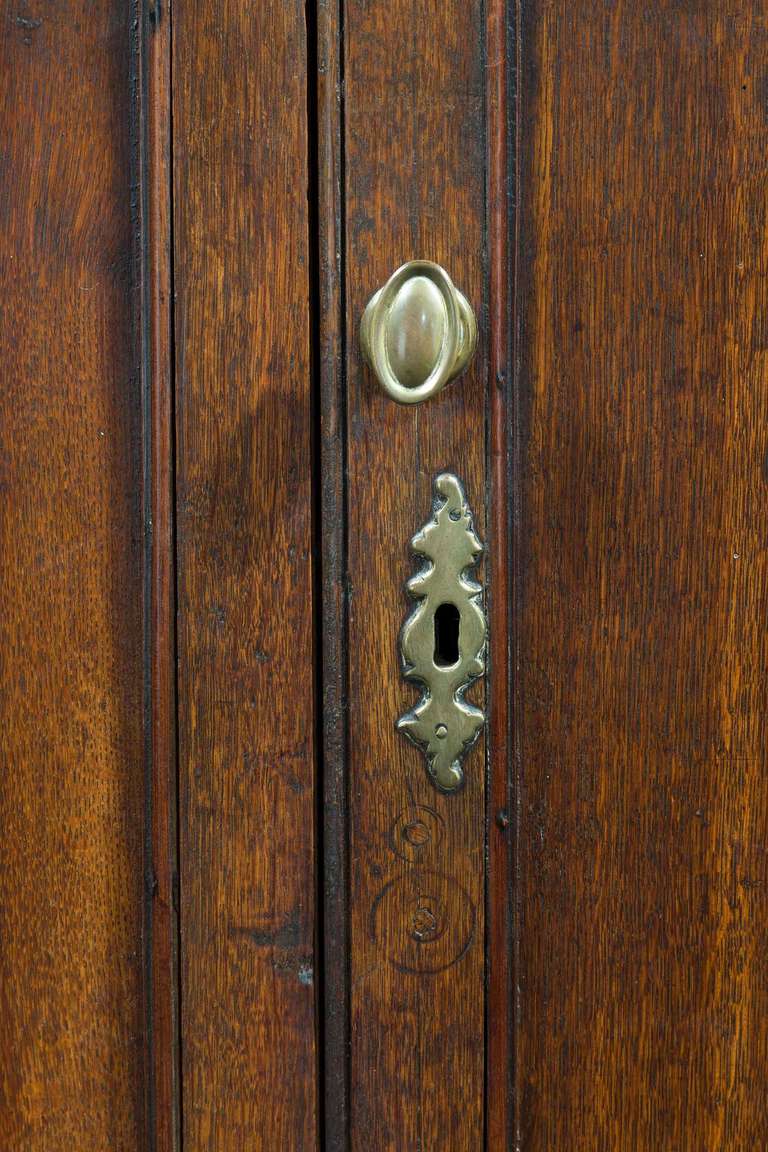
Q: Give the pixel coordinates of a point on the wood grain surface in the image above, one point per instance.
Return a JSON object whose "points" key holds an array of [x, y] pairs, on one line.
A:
{"points": [[414, 164], [501, 43], [71, 541], [155, 293], [330, 289], [621, 888], [245, 601], [643, 836]]}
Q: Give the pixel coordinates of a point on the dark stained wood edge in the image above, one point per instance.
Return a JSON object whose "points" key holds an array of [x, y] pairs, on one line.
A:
{"points": [[140, 301], [515, 51], [330, 379], [499, 1002], [161, 916]]}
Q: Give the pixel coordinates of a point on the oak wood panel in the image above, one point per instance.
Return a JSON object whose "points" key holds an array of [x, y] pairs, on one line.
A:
{"points": [[71, 541], [245, 604], [643, 836], [414, 164]]}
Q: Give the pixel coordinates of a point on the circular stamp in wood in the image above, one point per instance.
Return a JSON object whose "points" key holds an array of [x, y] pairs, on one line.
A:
{"points": [[423, 921], [416, 833]]}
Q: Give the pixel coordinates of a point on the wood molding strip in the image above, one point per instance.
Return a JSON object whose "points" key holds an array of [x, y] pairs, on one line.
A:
{"points": [[161, 915], [499, 1021], [331, 382]]}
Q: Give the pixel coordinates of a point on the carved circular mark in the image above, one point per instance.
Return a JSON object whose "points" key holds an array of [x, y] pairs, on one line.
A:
{"points": [[416, 832], [424, 922]]}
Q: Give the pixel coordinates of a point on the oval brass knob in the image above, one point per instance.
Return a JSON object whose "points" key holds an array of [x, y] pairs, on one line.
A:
{"points": [[418, 332]]}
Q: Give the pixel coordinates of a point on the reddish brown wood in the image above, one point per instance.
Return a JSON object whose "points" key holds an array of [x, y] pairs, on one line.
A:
{"points": [[414, 164], [157, 334], [71, 541], [643, 928], [245, 598], [333, 535], [499, 1030]]}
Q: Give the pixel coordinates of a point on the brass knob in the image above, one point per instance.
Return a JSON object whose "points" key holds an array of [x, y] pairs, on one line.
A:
{"points": [[418, 332]]}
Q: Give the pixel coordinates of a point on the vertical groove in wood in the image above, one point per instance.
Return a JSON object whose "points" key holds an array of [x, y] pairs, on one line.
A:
{"points": [[156, 329], [499, 1019], [333, 526], [71, 778], [244, 502], [516, 561]]}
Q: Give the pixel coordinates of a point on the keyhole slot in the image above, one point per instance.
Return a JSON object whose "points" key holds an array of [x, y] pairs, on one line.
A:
{"points": [[447, 623]]}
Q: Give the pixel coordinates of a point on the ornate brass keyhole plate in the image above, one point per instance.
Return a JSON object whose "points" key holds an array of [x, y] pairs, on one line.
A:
{"points": [[442, 642]]}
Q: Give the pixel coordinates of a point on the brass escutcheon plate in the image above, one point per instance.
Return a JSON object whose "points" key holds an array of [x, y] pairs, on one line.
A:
{"points": [[442, 642]]}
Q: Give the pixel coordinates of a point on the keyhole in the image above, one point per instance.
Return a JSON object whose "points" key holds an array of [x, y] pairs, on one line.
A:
{"points": [[447, 620]]}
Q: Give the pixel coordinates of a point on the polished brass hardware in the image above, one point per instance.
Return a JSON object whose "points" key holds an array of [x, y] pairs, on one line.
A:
{"points": [[443, 724], [418, 332]]}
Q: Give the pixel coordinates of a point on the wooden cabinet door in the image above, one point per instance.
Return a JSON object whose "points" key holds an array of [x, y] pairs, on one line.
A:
{"points": [[237, 910]]}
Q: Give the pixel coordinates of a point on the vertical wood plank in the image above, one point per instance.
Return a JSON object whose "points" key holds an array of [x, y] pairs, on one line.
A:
{"points": [[333, 536], [414, 148], [245, 605], [71, 542], [500, 114], [160, 696], [644, 299]]}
